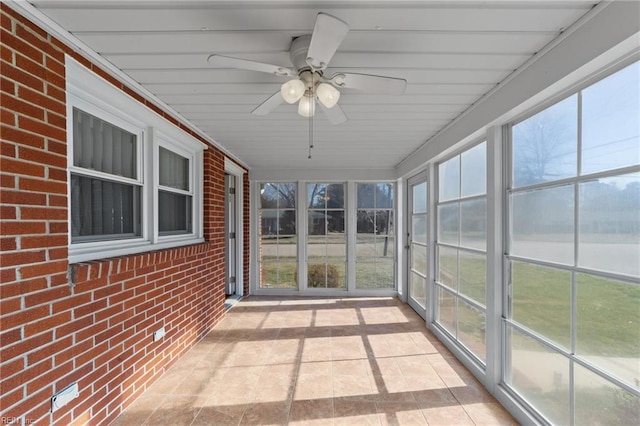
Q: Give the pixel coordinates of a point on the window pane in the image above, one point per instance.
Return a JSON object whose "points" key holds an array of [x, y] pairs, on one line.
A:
{"points": [[449, 223], [174, 213], [325, 195], [471, 328], [541, 301], [542, 224], [278, 222], [173, 170], [419, 258], [608, 326], [278, 195], [418, 289], [366, 222], [474, 171], [419, 228], [611, 122], [473, 223], [366, 195], [278, 275], [545, 145], [420, 198], [540, 375], [103, 210], [448, 267], [610, 224], [446, 312], [376, 274], [384, 195], [473, 275], [449, 179], [99, 145], [600, 402], [326, 275]]}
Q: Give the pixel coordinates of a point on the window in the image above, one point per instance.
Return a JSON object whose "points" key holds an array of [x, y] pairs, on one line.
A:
{"points": [[135, 179], [278, 253], [460, 306], [573, 290], [175, 198], [105, 180], [326, 236], [375, 240]]}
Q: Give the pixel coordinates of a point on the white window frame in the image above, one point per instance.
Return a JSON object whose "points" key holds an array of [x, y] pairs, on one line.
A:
{"points": [[130, 126], [88, 92], [162, 141]]}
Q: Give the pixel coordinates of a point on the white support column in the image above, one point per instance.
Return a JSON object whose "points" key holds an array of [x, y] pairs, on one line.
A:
{"points": [[351, 213], [495, 250]]}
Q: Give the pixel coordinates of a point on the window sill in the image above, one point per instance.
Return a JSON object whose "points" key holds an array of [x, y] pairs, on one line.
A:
{"points": [[79, 254]]}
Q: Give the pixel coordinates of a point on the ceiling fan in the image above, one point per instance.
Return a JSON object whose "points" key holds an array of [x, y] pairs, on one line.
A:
{"points": [[310, 55]]}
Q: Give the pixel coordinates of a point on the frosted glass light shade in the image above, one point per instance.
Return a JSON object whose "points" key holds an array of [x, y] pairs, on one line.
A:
{"points": [[328, 95], [292, 90], [307, 106]]}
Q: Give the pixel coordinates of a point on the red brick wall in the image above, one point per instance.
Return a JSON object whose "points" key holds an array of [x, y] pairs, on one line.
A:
{"points": [[90, 322]]}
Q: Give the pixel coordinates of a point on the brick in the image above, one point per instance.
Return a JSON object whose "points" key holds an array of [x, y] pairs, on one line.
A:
{"points": [[58, 254], [89, 309], [7, 117], [45, 269], [74, 327], [57, 174], [58, 227], [20, 76], [21, 137], [8, 149], [11, 397], [22, 258], [20, 46], [22, 108], [42, 157], [46, 296], [41, 128], [7, 276], [8, 181], [22, 287], [55, 92], [47, 186], [22, 168], [43, 241], [57, 147], [22, 198], [23, 227], [24, 317], [45, 102], [39, 41], [54, 119], [48, 351], [48, 323], [8, 306], [7, 244]]}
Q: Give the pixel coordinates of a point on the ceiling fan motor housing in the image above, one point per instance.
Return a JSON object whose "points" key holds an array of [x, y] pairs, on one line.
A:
{"points": [[298, 52]]}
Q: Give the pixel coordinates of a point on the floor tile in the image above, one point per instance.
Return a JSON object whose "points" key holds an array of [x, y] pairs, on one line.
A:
{"points": [[317, 361]]}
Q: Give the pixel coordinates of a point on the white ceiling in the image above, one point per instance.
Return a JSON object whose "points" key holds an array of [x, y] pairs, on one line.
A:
{"points": [[450, 52]]}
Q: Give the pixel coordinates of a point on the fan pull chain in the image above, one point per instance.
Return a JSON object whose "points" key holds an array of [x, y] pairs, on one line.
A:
{"points": [[310, 135], [313, 109]]}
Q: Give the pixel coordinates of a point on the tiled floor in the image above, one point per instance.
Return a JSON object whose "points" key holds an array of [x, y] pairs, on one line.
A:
{"points": [[363, 361]]}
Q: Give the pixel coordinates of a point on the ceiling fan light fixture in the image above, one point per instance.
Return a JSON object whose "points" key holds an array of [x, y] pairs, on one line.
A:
{"points": [[328, 95], [292, 90], [307, 106]]}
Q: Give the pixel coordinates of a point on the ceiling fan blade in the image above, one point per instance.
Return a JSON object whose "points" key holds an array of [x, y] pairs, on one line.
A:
{"points": [[244, 64], [269, 105], [370, 83], [335, 114], [328, 33]]}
